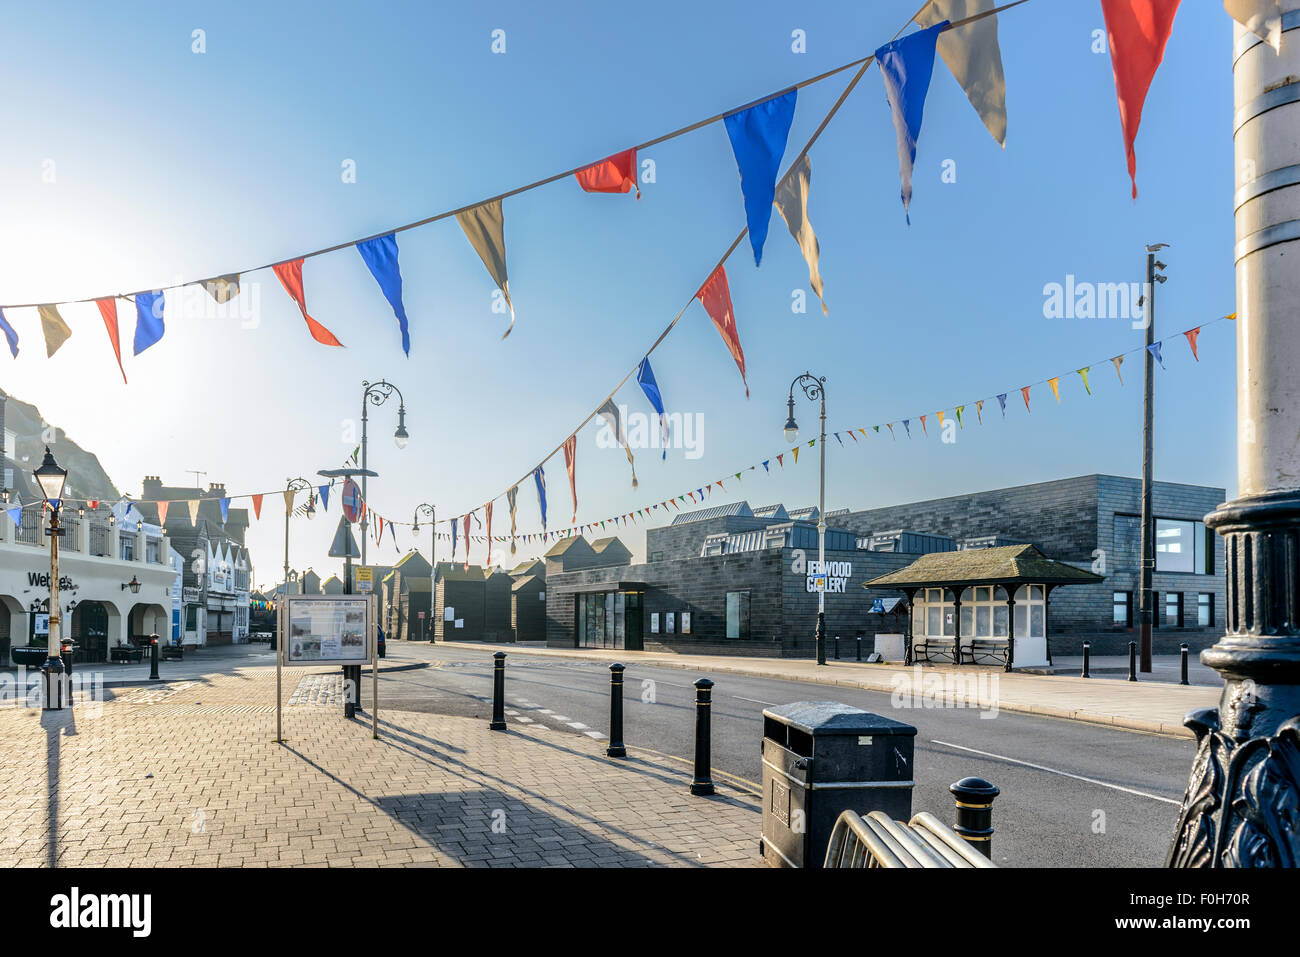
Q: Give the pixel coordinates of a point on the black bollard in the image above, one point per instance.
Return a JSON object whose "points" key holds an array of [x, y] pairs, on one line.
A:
{"points": [[616, 749], [153, 657], [974, 798], [859, 651], [1087, 652], [1132, 661], [351, 692], [837, 647], [1182, 682], [65, 653], [498, 692], [703, 782]]}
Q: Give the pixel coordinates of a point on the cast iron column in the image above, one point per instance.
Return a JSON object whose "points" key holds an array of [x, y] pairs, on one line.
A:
{"points": [[1243, 795]]}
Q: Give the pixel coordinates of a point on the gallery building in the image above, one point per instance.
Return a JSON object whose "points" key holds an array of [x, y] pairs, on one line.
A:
{"points": [[737, 580]]}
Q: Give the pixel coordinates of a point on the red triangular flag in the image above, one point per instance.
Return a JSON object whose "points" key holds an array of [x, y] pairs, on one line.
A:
{"points": [[108, 309], [1192, 335], [162, 512], [1024, 393], [715, 296], [614, 174], [290, 276], [1138, 31], [257, 506]]}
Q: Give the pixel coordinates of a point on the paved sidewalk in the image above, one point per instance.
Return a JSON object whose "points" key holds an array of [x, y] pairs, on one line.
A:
{"points": [[1151, 706], [187, 773]]}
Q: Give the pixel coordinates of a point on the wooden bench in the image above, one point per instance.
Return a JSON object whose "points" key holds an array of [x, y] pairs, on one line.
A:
{"points": [[170, 651], [930, 648], [125, 654], [986, 649]]}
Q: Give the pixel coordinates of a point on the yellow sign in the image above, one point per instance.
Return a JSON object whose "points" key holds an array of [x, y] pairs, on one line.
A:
{"points": [[365, 580]]}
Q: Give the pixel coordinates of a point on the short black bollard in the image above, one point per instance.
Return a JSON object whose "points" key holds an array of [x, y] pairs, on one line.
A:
{"points": [[837, 647], [498, 692], [153, 657], [1132, 661], [703, 782], [1087, 652], [65, 653], [974, 798], [1182, 682], [616, 749], [859, 651]]}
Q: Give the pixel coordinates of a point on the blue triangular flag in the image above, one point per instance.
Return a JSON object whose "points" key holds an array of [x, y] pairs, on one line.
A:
{"points": [[907, 424], [765, 468], [15, 514], [539, 476], [1154, 349], [149, 326], [646, 377], [324, 491], [838, 439], [225, 508], [9, 334], [380, 255], [1002, 401], [758, 136], [906, 65], [453, 539]]}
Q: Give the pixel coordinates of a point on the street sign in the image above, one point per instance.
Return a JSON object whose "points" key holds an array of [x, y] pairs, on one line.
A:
{"points": [[878, 606], [365, 579], [819, 583], [344, 545], [351, 500], [421, 614]]}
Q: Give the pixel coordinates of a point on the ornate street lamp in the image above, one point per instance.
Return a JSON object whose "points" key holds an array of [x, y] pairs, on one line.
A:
{"points": [[133, 584], [377, 393], [51, 479], [815, 388], [426, 509]]}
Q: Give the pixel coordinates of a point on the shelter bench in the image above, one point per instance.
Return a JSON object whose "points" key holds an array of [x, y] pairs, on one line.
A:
{"points": [[126, 654], [987, 649], [930, 648]]}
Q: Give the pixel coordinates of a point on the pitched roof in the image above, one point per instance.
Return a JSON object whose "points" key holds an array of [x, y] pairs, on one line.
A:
{"points": [[718, 511], [524, 568], [1007, 563], [563, 545], [600, 544], [526, 580]]}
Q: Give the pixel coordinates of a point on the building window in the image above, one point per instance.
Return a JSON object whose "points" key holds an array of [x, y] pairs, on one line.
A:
{"points": [[29, 532], [1182, 545], [153, 551], [936, 613], [1174, 609], [126, 548], [979, 613], [1031, 612], [738, 614], [1205, 609], [1123, 615], [656, 556]]}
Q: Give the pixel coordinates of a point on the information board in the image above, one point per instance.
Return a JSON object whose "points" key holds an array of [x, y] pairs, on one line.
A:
{"points": [[328, 630], [365, 579]]}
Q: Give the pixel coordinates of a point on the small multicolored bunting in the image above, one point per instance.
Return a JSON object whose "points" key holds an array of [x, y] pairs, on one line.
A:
{"points": [[1024, 393], [1055, 383], [1118, 361], [1083, 374], [979, 411], [1154, 349], [324, 492], [224, 504], [1192, 335]]}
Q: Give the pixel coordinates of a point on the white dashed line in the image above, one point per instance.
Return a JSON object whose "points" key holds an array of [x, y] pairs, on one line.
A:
{"points": [[576, 725], [524, 720], [545, 711], [593, 734], [561, 717], [509, 711]]}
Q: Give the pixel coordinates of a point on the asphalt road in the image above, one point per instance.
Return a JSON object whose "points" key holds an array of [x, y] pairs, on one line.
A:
{"points": [[1073, 794]]}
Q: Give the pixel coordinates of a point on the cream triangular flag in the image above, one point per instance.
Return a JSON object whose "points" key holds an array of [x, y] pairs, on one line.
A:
{"points": [[1260, 17], [485, 228], [193, 506], [974, 57], [55, 329], [792, 203], [288, 499]]}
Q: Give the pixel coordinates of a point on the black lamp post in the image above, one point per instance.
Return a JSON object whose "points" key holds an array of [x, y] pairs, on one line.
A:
{"points": [[427, 509], [377, 393], [51, 478], [815, 389]]}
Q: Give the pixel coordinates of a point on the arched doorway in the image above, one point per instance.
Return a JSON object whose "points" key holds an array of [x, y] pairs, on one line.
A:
{"points": [[90, 631]]}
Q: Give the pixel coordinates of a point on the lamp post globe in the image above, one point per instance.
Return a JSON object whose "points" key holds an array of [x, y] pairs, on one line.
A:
{"points": [[51, 478], [401, 436]]}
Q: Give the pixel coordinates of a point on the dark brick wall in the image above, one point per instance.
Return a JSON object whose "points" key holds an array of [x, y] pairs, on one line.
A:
{"points": [[686, 540], [528, 611]]}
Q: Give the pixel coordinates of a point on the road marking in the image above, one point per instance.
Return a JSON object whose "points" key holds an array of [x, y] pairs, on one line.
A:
{"points": [[578, 725], [524, 720], [509, 711], [593, 734], [741, 697], [1065, 774], [545, 711], [560, 717]]}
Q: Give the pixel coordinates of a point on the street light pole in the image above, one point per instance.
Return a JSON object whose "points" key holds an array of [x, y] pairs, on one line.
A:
{"points": [[377, 393], [1242, 795], [1146, 604], [426, 509], [51, 478], [295, 485], [815, 388]]}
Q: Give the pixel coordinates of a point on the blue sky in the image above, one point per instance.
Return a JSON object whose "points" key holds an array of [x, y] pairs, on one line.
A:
{"points": [[171, 164]]}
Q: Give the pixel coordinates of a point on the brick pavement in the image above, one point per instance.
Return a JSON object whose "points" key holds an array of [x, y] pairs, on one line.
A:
{"points": [[189, 774]]}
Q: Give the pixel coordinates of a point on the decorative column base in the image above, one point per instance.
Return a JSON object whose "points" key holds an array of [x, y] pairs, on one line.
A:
{"points": [[1242, 806]]}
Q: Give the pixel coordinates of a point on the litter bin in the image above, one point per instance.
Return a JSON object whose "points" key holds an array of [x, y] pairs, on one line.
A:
{"points": [[821, 758]]}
